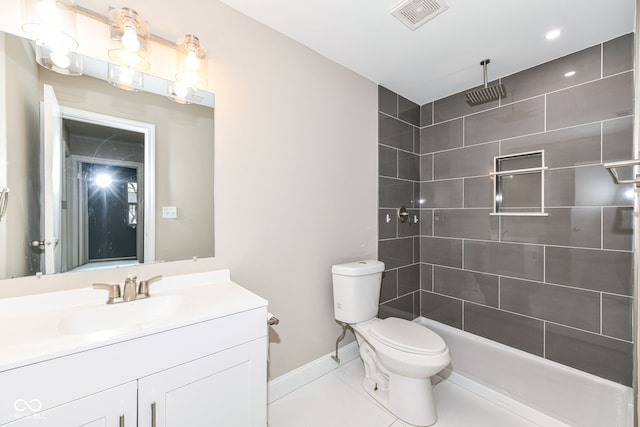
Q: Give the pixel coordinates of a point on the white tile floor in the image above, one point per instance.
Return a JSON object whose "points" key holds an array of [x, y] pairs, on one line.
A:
{"points": [[337, 399]]}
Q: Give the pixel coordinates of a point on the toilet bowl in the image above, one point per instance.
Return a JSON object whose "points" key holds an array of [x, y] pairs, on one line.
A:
{"points": [[399, 356]]}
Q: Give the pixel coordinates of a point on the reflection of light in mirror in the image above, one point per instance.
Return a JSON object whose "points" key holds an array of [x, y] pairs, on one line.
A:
{"points": [[499, 198], [191, 61], [61, 58], [103, 180], [629, 194]]}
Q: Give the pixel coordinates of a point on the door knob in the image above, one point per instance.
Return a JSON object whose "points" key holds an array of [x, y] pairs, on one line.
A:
{"points": [[37, 243]]}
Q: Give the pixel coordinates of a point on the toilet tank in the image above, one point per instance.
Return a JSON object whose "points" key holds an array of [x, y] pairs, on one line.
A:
{"points": [[356, 290]]}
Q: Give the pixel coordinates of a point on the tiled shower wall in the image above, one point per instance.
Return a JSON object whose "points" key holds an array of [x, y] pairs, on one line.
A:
{"points": [[560, 286]]}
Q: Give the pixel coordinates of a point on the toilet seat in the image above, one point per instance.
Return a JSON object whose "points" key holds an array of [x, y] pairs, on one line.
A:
{"points": [[407, 336]]}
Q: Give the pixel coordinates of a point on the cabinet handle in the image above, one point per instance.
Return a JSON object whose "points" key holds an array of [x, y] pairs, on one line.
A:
{"points": [[153, 414], [121, 420]]}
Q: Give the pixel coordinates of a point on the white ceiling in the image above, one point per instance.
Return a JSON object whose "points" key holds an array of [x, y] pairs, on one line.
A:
{"points": [[438, 59]]}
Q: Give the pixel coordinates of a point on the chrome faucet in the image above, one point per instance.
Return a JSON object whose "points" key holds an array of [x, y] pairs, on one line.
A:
{"points": [[132, 290]]}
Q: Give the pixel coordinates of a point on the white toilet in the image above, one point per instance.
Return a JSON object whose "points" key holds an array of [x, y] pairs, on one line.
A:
{"points": [[399, 356]]}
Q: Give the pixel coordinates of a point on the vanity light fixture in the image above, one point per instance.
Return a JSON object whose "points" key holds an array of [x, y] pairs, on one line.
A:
{"points": [[191, 66], [124, 77], [52, 26], [129, 39]]}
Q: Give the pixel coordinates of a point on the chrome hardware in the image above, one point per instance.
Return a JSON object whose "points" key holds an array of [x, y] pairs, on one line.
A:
{"points": [[4, 202], [273, 320], [121, 420], [403, 215], [340, 338], [613, 166], [143, 286], [153, 414], [130, 288], [114, 291], [37, 243]]}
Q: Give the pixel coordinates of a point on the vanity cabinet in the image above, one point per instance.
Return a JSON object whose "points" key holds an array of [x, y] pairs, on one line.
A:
{"points": [[114, 407], [204, 372]]}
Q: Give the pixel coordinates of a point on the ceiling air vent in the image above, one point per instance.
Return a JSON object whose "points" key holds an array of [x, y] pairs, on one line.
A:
{"points": [[414, 13]]}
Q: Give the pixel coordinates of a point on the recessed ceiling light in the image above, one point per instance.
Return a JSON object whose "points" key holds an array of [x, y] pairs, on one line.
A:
{"points": [[570, 73], [553, 34]]}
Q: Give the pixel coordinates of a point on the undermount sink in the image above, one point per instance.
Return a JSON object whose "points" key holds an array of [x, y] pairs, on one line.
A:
{"points": [[121, 316]]}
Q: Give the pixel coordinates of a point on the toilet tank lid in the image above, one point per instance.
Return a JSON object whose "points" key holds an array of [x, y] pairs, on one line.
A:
{"points": [[358, 268]]}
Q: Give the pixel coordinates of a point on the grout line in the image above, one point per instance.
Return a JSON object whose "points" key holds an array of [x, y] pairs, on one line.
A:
{"points": [[602, 228], [544, 339], [544, 113], [601, 313]]}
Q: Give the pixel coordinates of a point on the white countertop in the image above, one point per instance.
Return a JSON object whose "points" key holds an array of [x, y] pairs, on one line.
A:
{"points": [[40, 327]]}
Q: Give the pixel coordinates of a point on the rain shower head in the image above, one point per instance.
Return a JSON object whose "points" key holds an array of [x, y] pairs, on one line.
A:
{"points": [[487, 93]]}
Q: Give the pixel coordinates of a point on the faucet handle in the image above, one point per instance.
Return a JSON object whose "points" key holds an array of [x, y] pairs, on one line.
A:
{"points": [[143, 288], [114, 291]]}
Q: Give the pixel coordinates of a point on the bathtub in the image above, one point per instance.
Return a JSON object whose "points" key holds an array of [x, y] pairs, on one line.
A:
{"points": [[546, 392]]}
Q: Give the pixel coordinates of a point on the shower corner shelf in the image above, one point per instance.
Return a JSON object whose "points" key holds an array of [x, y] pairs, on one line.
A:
{"points": [[518, 184]]}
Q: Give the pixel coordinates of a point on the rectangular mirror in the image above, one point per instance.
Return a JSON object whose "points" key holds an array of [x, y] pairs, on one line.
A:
{"points": [[158, 154]]}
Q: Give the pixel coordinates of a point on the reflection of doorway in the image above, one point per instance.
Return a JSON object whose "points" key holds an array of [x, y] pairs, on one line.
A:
{"points": [[111, 212]]}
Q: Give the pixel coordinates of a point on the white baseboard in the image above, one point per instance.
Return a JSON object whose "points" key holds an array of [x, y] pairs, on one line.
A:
{"points": [[293, 380]]}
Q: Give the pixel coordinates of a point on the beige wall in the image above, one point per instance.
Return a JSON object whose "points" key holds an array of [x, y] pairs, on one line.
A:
{"points": [[295, 182]]}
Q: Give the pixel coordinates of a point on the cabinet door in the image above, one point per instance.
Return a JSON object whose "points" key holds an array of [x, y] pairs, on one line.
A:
{"points": [[115, 407], [224, 389]]}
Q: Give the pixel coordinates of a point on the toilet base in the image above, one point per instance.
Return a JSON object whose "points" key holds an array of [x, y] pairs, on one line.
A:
{"points": [[409, 399]]}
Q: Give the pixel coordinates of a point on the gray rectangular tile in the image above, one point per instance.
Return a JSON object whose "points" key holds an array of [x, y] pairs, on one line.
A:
{"points": [[426, 167], [517, 119], [585, 186], [441, 194], [426, 222], [408, 279], [426, 277], [387, 230], [617, 316], [462, 162], [508, 259], [394, 193], [396, 252], [387, 101], [387, 161], [416, 140], [563, 227], [567, 147], [441, 136], [455, 106], [607, 271], [507, 328], [550, 76], [426, 114], [441, 309], [605, 357], [408, 111], [408, 166], [439, 251], [617, 139], [389, 286], [465, 223], [416, 250], [559, 304], [617, 232], [478, 192], [395, 133], [475, 287], [591, 102], [402, 307], [617, 55]]}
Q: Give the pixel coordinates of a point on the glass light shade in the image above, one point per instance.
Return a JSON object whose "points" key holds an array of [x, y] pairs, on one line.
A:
{"points": [[191, 66], [180, 93], [58, 59], [51, 21], [125, 78], [129, 39]]}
